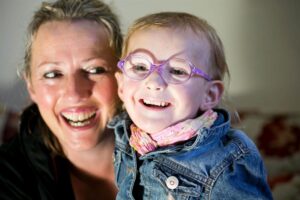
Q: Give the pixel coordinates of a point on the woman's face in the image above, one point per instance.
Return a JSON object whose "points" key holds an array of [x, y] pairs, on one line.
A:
{"points": [[72, 81]]}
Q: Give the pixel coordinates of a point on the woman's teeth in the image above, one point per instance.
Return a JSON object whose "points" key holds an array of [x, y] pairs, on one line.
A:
{"points": [[79, 119], [155, 103], [79, 124]]}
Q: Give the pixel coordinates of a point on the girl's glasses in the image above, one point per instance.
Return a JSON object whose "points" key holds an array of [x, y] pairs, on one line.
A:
{"points": [[173, 70]]}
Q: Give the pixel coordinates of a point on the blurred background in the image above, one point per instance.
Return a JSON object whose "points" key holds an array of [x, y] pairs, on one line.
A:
{"points": [[262, 45]]}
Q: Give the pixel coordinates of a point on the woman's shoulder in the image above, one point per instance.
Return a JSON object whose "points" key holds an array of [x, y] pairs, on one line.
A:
{"points": [[14, 171], [27, 170], [21, 161], [11, 150], [16, 157]]}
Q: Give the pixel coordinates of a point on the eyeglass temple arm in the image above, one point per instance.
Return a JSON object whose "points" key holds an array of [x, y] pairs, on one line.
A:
{"points": [[121, 64], [201, 73]]}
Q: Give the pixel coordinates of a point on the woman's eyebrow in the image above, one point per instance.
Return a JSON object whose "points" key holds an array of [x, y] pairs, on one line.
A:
{"points": [[48, 63]]}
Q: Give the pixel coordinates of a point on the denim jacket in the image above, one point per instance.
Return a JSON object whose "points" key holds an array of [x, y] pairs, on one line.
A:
{"points": [[218, 163]]}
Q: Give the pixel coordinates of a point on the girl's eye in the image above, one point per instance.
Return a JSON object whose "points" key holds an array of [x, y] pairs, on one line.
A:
{"points": [[97, 70], [178, 72], [52, 74], [139, 67]]}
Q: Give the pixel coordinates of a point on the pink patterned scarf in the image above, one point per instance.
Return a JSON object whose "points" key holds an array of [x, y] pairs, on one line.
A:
{"points": [[143, 142]]}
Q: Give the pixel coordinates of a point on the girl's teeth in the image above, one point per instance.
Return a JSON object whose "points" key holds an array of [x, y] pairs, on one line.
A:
{"points": [[154, 103]]}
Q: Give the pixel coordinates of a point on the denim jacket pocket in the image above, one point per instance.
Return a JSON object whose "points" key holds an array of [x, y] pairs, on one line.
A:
{"points": [[177, 184]]}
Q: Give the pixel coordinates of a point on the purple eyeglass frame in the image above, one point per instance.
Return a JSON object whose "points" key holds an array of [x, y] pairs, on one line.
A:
{"points": [[153, 67]]}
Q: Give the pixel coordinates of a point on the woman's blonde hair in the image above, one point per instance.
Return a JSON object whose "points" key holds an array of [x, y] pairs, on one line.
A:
{"points": [[60, 10]]}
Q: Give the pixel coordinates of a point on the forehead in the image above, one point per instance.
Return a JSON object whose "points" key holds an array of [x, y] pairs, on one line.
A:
{"points": [[71, 42], [55, 36], [165, 42]]}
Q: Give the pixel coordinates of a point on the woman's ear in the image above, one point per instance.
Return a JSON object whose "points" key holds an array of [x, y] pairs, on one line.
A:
{"points": [[119, 77], [213, 95], [30, 88]]}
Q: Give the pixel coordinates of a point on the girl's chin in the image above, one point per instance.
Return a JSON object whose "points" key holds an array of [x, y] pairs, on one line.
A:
{"points": [[152, 125], [150, 130]]}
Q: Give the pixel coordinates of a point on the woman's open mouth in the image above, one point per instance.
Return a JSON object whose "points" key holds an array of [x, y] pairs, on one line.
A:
{"points": [[80, 119]]}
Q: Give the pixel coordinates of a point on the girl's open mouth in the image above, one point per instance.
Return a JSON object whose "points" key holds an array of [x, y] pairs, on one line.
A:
{"points": [[155, 104]]}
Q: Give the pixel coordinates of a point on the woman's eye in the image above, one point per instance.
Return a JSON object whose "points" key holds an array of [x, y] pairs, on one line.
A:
{"points": [[97, 70], [52, 74]]}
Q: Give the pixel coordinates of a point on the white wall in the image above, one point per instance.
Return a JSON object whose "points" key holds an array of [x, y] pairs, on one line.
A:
{"points": [[14, 17], [261, 40]]}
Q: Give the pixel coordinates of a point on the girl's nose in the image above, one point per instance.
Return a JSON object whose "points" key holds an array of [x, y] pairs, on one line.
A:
{"points": [[155, 82], [78, 87]]}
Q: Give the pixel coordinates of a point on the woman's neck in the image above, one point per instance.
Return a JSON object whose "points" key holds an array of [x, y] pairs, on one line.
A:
{"points": [[92, 171], [97, 161]]}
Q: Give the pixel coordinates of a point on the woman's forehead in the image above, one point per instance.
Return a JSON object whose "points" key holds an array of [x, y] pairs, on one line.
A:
{"points": [[82, 40]]}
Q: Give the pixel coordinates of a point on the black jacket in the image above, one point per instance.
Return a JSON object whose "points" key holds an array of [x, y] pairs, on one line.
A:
{"points": [[28, 170]]}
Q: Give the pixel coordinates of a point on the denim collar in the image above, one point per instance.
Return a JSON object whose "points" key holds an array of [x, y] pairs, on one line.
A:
{"points": [[122, 122]]}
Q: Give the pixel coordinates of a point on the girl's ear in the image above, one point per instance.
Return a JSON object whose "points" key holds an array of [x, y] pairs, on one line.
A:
{"points": [[213, 94], [119, 77]]}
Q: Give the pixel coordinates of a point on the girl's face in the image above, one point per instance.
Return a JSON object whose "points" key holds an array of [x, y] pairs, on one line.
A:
{"points": [[152, 103], [72, 81]]}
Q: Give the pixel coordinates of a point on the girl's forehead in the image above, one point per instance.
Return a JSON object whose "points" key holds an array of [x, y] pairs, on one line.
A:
{"points": [[170, 41]]}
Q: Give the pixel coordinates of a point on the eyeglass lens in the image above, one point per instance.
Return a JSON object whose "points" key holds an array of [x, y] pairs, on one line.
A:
{"points": [[174, 70]]}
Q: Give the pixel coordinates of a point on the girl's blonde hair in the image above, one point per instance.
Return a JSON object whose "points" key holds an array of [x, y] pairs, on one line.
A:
{"points": [[185, 22]]}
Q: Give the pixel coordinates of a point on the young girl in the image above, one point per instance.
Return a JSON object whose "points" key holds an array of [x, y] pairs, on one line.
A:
{"points": [[176, 143]]}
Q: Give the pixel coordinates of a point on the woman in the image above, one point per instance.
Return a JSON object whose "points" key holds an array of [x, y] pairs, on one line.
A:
{"points": [[64, 150]]}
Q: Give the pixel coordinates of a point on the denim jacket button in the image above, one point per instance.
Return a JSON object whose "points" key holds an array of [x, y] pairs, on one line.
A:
{"points": [[172, 182]]}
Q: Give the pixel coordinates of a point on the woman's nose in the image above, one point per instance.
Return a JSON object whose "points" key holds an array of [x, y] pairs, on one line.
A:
{"points": [[155, 82], [78, 87]]}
